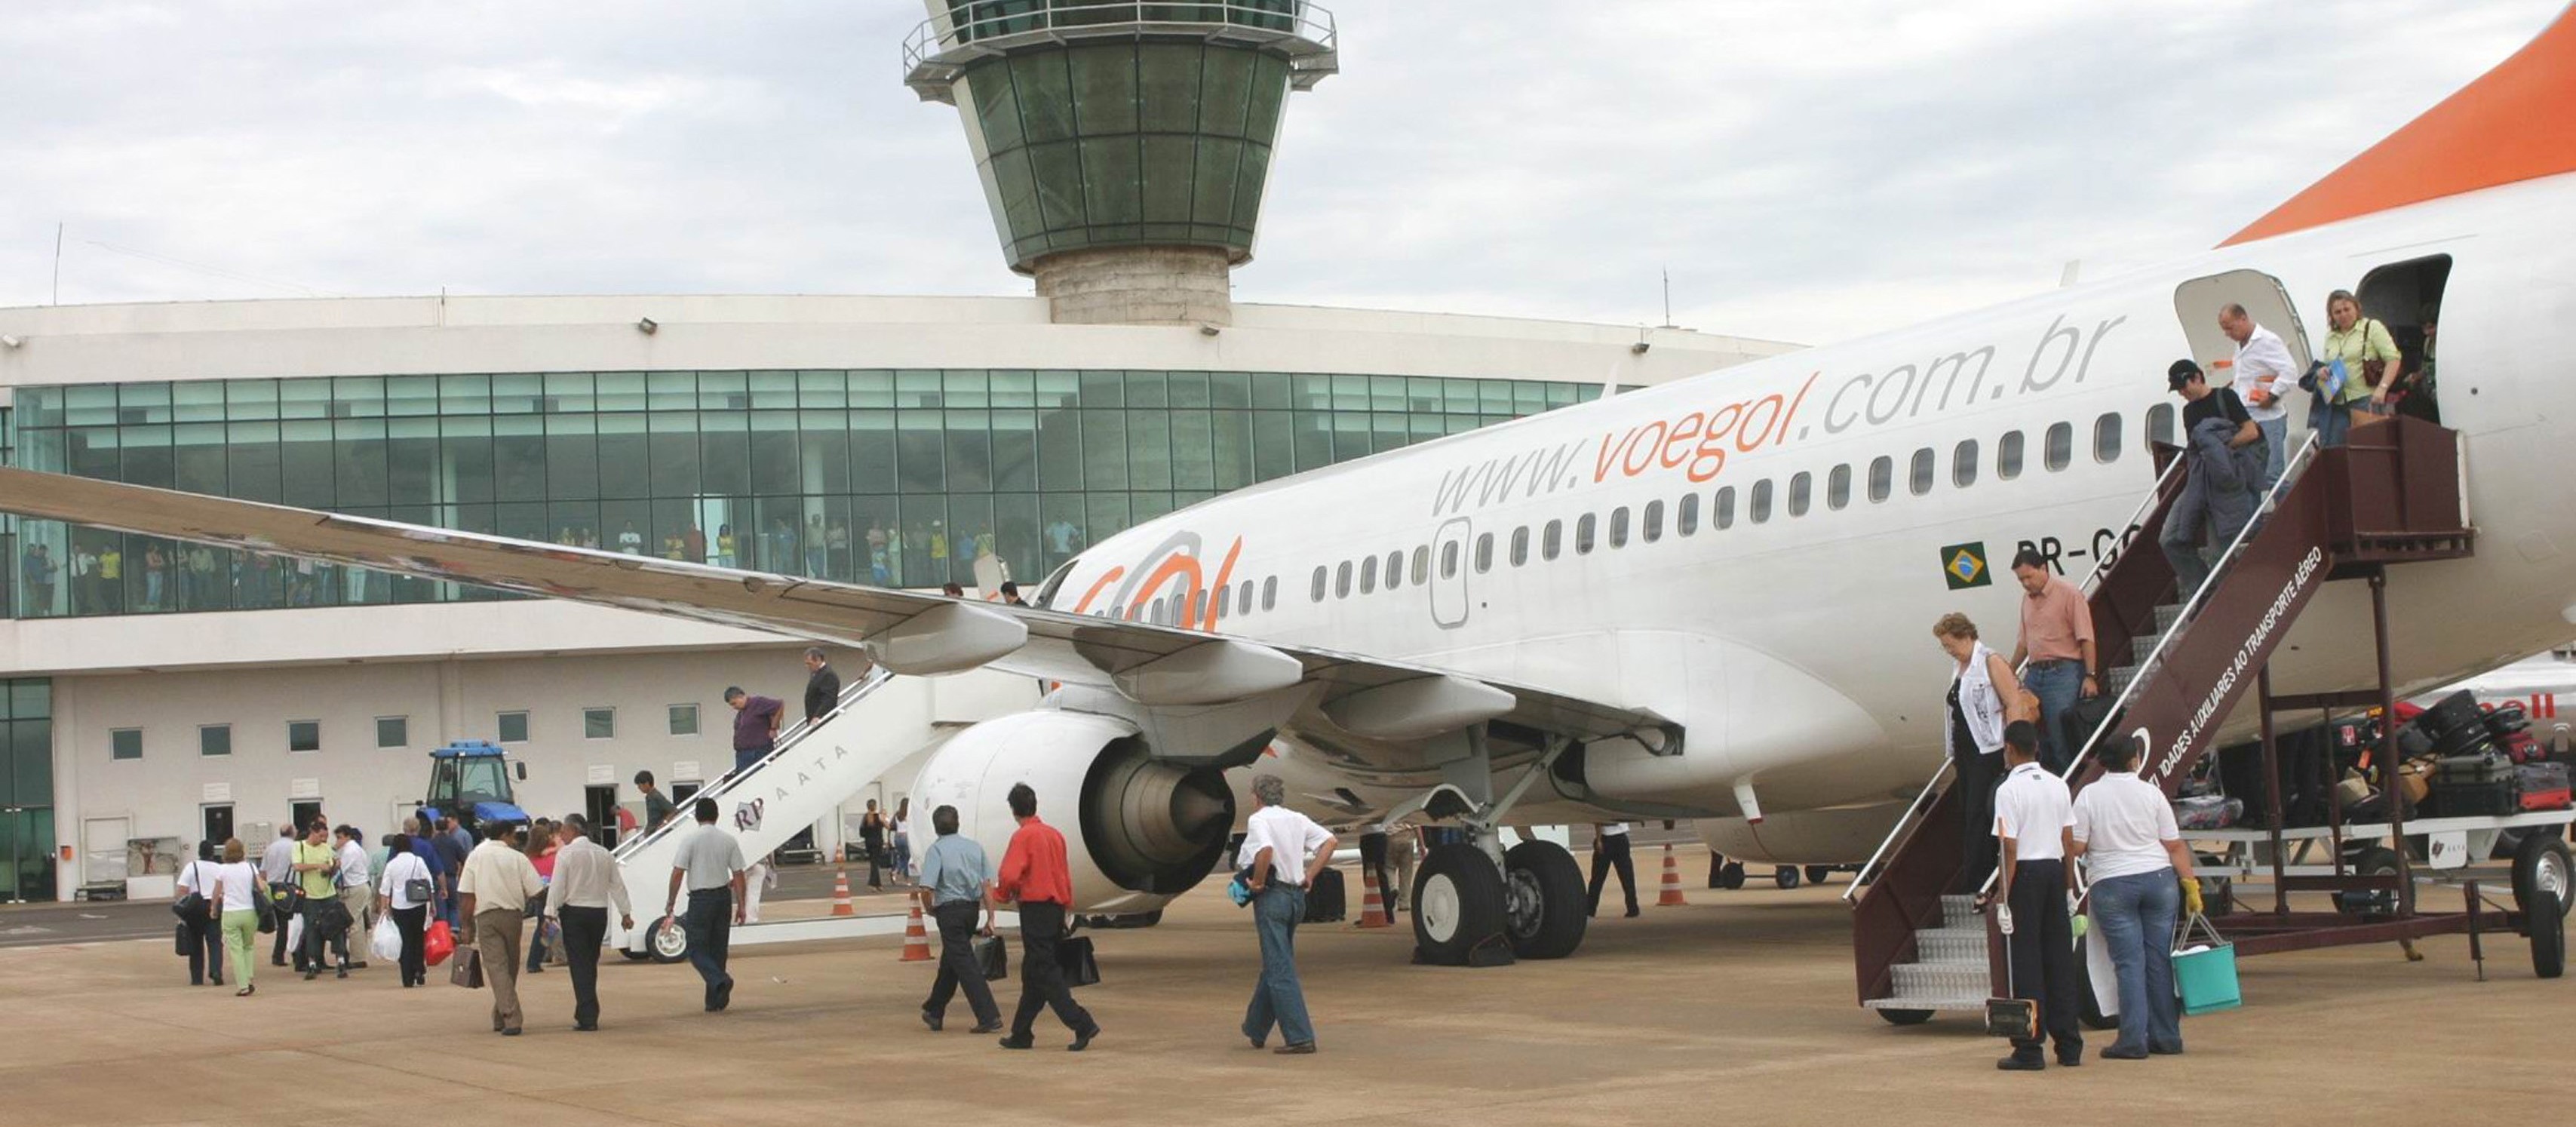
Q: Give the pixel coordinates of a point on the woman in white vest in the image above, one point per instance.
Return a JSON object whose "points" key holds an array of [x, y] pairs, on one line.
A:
{"points": [[1984, 696]]}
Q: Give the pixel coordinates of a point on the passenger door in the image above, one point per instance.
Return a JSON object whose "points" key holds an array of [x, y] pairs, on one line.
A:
{"points": [[2196, 304], [1449, 574]]}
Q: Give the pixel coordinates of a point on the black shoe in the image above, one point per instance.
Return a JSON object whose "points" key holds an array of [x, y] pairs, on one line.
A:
{"points": [[2172, 1052], [2072, 1060], [1082, 1040], [309, 973], [1299, 1049], [993, 1026], [344, 972], [1258, 1043], [934, 1021], [2020, 1063], [214, 982], [585, 1027], [2124, 1054], [512, 1031], [1017, 1043], [1632, 913]]}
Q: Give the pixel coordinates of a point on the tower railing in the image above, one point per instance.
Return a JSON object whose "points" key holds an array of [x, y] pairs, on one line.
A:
{"points": [[938, 50]]}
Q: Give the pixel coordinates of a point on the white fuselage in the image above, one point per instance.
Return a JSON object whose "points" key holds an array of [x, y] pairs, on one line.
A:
{"points": [[1796, 650]]}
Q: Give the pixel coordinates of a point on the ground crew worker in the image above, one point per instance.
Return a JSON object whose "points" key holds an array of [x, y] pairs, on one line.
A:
{"points": [[2034, 825], [1610, 849]]}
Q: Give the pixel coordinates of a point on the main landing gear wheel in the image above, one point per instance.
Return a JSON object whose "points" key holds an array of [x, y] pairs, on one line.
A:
{"points": [[1786, 876], [1457, 904], [1732, 876], [1544, 909], [2547, 923], [1905, 1017], [669, 941], [2540, 865]]}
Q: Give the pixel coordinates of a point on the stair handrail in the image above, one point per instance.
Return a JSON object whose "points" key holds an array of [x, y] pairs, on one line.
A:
{"points": [[851, 694], [2092, 581], [2290, 474]]}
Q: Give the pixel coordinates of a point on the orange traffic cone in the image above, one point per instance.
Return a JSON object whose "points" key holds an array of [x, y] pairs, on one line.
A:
{"points": [[1672, 882], [841, 905], [1372, 906], [916, 943]]}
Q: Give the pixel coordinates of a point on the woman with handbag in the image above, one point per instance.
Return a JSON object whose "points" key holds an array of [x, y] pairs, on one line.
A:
{"points": [[238, 894], [404, 893], [1984, 696], [2142, 879], [201, 931], [2370, 362]]}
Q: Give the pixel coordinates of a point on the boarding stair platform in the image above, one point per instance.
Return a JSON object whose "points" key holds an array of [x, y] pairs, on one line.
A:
{"points": [[2177, 669], [816, 766]]}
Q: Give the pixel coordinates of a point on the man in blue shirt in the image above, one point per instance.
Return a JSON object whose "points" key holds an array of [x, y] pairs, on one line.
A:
{"points": [[954, 872]]}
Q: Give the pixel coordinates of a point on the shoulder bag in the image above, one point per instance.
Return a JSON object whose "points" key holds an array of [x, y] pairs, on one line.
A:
{"points": [[2372, 369], [193, 905]]}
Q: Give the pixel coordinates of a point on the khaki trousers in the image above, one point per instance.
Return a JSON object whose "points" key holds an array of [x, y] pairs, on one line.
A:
{"points": [[496, 942]]}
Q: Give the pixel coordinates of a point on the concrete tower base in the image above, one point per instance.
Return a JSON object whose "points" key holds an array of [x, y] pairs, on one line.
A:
{"points": [[1165, 285]]}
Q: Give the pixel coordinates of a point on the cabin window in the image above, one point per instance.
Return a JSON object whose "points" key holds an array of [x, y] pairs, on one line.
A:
{"points": [[1421, 564], [1686, 515], [1224, 601], [1368, 575], [1484, 552], [1550, 541], [1838, 487], [2058, 448], [1761, 506], [1319, 585], [1520, 545], [1619, 527], [1269, 592], [1963, 464], [2008, 455], [1722, 511], [2106, 437], [1583, 529], [1654, 528], [1395, 569], [1801, 487], [1342, 581], [2160, 424], [1882, 478], [1919, 477]]}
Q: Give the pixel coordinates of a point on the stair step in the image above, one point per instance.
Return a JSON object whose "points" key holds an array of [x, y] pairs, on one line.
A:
{"points": [[1951, 945], [2167, 614], [1960, 911], [1941, 980], [2120, 679], [2143, 647], [1896, 1003]]}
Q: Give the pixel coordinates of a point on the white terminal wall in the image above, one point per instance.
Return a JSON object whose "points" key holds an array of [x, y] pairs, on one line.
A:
{"points": [[452, 667]]}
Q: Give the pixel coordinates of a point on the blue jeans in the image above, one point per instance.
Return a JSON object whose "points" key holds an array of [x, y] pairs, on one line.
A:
{"points": [[2276, 444], [1278, 998], [2137, 914], [2056, 684], [2333, 422]]}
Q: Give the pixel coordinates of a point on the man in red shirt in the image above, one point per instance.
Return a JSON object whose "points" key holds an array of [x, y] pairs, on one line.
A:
{"points": [[1034, 873]]}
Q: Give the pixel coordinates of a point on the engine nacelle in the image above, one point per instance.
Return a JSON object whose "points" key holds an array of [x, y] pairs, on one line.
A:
{"points": [[1137, 831], [1802, 837]]}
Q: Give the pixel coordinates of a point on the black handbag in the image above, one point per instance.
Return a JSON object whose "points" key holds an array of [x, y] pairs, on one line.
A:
{"points": [[186, 943], [193, 905], [1075, 956], [993, 957], [266, 907]]}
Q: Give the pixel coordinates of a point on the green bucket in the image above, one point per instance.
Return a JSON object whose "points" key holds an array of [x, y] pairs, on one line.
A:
{"points": [[2206, 979]]}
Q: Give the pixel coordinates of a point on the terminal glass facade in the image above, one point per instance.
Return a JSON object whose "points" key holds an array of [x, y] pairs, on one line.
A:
{"points": [[26, 789], [898, 478]]}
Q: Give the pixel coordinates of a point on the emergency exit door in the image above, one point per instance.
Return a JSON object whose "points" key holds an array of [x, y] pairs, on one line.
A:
{"points": [[1449, 574], [2197, 302]]}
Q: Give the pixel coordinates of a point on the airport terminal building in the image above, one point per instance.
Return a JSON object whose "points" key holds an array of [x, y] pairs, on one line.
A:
{"points": [[158, 694]]}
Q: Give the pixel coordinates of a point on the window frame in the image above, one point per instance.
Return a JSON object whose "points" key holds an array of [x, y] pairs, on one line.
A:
{"points": [[2011, 452], [1520, 546], [292, 725], [210, 734], [116, 754], [1882, 478], [1802, 492], [2109, 441], [671, 717], [1963, 463], [590, 713], [2057, 447], [1686, 515], [399, 745], [1721, 508], [1619, 527], [500, 726], [1586, 529], [1551, 539]]}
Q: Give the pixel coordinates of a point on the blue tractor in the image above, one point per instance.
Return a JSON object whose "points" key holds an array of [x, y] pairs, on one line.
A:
{"points": [[470, 779]]}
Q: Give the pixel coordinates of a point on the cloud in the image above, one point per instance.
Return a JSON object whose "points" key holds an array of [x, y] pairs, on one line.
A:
{"points": [[1804, 171]]}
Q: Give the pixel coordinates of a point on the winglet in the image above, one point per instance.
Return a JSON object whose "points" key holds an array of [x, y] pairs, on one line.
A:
{"points": [[2514, 123]]}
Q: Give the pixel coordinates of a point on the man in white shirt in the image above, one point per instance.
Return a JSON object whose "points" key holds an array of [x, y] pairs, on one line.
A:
{"points": [[277, 867], [587, 880], [2142, 879], [1284, 850], [493, 894], [357, 885], [2034, 823], [2263, 377]]}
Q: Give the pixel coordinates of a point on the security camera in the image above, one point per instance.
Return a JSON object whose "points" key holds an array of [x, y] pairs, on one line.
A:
{"points": [[646, 326]]}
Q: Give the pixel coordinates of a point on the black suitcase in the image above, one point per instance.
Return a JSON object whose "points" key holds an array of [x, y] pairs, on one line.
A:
{"points": [[2507, 720], [2452, 713], [2473, 800], [1324, 900], [2467, 769]]}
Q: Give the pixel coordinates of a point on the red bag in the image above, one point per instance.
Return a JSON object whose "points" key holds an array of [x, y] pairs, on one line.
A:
{"points": [[437, 943]]}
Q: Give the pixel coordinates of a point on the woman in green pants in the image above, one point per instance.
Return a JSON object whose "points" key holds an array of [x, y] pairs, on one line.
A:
{"points": [[236, 884]]}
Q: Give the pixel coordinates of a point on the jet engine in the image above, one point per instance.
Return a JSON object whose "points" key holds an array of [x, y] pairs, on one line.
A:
{"points": [[1138, 831]]}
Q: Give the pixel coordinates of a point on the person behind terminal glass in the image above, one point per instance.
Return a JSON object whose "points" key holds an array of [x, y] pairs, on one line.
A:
{"points": [[657, 806], [2141, 880], [499, 881], [954, 871], [2363, 345], [587, 881], [756, 720], [410, 913], [1983, 698], [201, 932], [37, 570], [2034, 824], [822, 685], [2056, 641], [2221, 480], [1287, 849], [2264, 375], [238, 889], [1609, 851], [709, 866], [1035, 876]]}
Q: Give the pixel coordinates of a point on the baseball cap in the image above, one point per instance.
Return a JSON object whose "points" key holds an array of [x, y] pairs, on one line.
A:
{"points": [[2182, 372]]}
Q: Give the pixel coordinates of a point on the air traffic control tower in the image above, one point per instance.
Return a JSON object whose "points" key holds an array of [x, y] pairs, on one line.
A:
{"points": [[1123, 144]]}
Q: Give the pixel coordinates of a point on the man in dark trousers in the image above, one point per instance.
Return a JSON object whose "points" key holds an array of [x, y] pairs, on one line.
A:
{"points": [[657, 805], [1035, 875], [755, 726], [1610, 848], [587, 882], [710, 866], [953, 877], [822, 685], [2035, 825]]}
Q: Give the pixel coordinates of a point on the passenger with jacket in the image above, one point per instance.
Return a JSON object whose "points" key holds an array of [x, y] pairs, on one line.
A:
{"points": [[2141, 876], [2222, 480], [1983, 698]]}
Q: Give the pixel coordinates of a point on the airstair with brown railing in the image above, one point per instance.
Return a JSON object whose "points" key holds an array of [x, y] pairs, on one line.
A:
{"points": [[2177, 669]]}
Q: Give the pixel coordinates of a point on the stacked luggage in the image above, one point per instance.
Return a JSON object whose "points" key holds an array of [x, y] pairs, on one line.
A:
{"points": [[2485, 764]]}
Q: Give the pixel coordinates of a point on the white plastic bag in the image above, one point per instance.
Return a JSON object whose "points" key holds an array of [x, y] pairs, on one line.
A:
{"points": [[386, 942], [295, 932]]}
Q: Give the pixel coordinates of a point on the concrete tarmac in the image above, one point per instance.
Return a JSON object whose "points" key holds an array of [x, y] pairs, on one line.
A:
{"points": [[1736, 1008]]}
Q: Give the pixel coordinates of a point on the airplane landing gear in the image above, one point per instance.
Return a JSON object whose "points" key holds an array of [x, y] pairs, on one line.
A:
{"points": [[1545, 900], [1458, 905], [1473, 903]]}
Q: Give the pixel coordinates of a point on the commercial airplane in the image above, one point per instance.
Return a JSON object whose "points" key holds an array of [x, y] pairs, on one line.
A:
{"points": [[1706, 600]]}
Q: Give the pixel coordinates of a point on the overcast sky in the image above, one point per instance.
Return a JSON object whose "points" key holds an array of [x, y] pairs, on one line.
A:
{"points": [[1807, 170]]}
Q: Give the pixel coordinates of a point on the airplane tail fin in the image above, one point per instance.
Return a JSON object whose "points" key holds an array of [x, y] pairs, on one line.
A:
{"points": [[2516, 122]]}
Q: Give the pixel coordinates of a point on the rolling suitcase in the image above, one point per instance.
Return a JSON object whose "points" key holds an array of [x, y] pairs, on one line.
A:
{"points": [[1324, 900]]}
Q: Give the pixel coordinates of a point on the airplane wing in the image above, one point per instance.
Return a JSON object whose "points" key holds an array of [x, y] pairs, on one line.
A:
{"points": [[1372, 713]]}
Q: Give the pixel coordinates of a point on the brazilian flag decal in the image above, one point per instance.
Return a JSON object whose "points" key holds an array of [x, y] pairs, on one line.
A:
{"points": [[1964, 565]]}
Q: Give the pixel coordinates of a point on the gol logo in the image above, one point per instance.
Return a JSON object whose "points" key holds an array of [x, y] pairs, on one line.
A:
{"points": [[1174, 567]]}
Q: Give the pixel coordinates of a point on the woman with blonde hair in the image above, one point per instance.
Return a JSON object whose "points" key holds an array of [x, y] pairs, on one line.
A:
{"points": [[238, 891], [1984, 696], [2370, 362]]}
